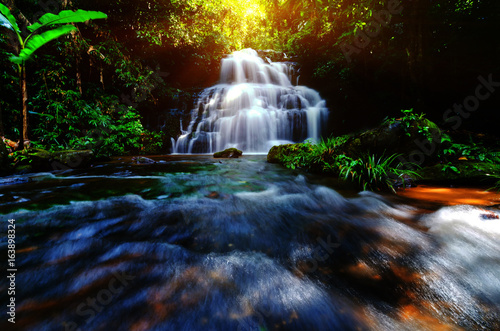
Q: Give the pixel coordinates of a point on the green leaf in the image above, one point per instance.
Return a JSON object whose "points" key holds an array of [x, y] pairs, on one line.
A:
{"points": [[67, 16], [39, 40], [7, 20]]}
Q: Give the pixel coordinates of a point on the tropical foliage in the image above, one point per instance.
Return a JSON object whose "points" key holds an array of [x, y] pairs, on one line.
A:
{"points": [[368, 59], [49, 27]]}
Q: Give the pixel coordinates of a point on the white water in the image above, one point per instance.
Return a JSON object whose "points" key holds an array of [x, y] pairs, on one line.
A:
{"points": [[254, 107]]}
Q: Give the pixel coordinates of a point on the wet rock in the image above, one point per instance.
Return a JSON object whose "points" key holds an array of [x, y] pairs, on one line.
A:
{"points": [[488, 215], [142, 160], [229, 153]]}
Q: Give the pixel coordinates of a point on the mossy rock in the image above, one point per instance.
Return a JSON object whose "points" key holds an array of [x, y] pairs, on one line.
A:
{"points": [[38, 160], [229, 153], [74, 158], [393, 138], [277, 153], [34, 160]]}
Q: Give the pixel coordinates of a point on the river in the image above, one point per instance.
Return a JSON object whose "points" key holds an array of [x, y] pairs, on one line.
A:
{"points": [[196, 243]]}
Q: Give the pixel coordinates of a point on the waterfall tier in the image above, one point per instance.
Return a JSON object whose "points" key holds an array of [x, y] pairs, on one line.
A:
{"points": [[254, 107]]}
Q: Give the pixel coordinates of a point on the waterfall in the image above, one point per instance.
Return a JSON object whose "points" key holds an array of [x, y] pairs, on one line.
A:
{"points": [[254, 107]]}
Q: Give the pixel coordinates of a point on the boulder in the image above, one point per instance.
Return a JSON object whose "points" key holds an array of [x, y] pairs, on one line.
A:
{"points": [[229, 153], [37, 160], [277, 153], [74, 158], [418, 142]]}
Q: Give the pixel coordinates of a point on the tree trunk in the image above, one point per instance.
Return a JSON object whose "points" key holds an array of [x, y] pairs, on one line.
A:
{"points": [[78, 76], [101, 76], [77, 58], [24, 93]]}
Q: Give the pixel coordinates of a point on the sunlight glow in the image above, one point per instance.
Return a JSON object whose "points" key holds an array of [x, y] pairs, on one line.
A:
{"points": [[452, 196]]}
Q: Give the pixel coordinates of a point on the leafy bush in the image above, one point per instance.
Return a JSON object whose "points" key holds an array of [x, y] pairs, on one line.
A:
{"points": [[299, 155], [374, 173], [309, 155], [152, 142], [470, 151], [408, 120], [67, 121]]}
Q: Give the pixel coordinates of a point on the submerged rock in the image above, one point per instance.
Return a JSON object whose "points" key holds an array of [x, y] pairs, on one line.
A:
{"points": [[229, 153]]}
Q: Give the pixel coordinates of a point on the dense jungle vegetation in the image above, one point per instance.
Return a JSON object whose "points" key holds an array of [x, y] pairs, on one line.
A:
{"points": [[112, 85]]}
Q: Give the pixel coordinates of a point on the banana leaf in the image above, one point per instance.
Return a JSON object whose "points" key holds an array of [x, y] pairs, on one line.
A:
{"points": [[66, 16], [7, 20], [37, 41]]}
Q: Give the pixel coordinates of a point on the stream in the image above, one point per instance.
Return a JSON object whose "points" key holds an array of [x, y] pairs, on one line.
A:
{"points": [[196, 243]]}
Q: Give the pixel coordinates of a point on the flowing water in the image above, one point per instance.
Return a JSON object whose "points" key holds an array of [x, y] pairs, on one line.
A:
{"points": [[193, 243], [254, 107]]}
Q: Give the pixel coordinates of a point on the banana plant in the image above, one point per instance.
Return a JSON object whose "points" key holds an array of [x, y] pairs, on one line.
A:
{"points": [[49, 27]]}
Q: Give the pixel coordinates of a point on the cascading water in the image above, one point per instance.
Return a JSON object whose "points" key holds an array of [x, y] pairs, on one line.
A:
{"points": [[254, 107]]}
